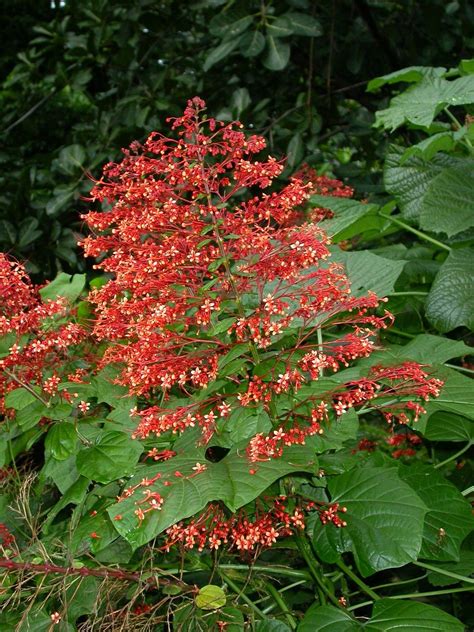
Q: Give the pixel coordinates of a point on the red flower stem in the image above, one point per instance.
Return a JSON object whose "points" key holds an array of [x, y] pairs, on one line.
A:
{"points": [[106, 573]]}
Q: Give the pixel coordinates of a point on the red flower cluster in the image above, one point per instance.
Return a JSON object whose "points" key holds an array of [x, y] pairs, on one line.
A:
{"points": [[213, 275], [241, 532], [322, 185], [40, 337]]}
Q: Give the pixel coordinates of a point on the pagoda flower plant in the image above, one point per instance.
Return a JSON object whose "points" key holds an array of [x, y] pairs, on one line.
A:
{"points": [[206, 392]]}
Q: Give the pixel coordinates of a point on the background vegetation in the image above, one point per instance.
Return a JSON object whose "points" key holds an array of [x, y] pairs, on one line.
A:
{"points": [[376, 93]]}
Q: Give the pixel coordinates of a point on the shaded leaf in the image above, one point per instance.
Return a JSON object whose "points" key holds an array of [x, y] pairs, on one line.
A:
{"points": [[367, 271], [384, 517], [395, 614], [327, 619], [449, 519], [113, 456], [278, 54], [64, 285], [233, 480], [450, 303], [412, 74], [448, 204]]}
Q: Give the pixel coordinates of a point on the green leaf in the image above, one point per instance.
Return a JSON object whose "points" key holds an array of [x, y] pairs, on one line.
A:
{"points": [[71, 159], [278, 54], [64, 285], [367, 271], [73, 496], [384, 517], [244, 423], [61, 441], [63, 194], [421, 103], [30, 415], [409, 181], [427, 148], [210, 597], [396, 614], [28, 232], [448, 511], [115, 455], [108, 392], [412, 74], [457, 396], [252, 44], [465, 568], [19, 398], [280, 27], [429, 349], [346, 215], [448, 204], [304, 24], [230, 480], [230, 23], [295, 150], [220, 52], [271, 625], [327, 619], [446, 426], [80, 595], [450, 303], [7, 232]]}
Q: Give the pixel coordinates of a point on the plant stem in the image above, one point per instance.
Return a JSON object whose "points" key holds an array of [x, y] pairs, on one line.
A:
{"points": [[454, 456], [282, 605], [431, 593], [468, 491], [26, 386], [416, 232], [320, 348], [84, 571], [442, 571], [241, 595], [399, 332], [312, 563], [357, 580], [271, 570], [459, 368]]}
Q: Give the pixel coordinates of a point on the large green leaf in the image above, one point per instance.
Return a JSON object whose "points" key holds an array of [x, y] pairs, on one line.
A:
{"points": [[450, 303], [457, 396], [113, 456], [252, 44], [64, 285], [395, 614], [278, 54], [367, 271], [446, 426], [20, 398], [463, 568], [233, 480], [428, 147], [303, 24], [412, 74], [421, 103], [384, 517], [220, 52], [328, 619], [61, 441], [449, 519], [346, 215], [409, 181], [429, 349], [448, 204]]}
